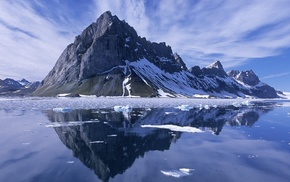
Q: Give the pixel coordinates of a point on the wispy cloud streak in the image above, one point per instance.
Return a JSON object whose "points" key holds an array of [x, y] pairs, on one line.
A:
{"points": [[34, 33], [275, 75]]}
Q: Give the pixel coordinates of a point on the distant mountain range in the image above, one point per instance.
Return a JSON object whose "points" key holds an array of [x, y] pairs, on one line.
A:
{"points": [[110, 59], [11, 87]]}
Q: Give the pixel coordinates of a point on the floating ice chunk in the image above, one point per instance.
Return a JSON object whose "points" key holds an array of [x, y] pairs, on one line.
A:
{"points": [[244, 103], [126, 108], [186, 170], [184, 107], [206, 107], [70, 162], [113, 135], [236, 104], [71, 123], [175, 128], [178, 173], [169, 113], [247, 103], [62, 110], [97, 142]]}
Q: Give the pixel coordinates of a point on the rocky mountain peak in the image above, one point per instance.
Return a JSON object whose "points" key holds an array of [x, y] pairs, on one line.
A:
{"points": [[248, 77], [233, 73], [109, 58], [215, 69], [217, 64], [179, 60]]}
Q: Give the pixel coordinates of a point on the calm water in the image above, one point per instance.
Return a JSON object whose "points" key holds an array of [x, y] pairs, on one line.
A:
{"points": [[144, 140]]}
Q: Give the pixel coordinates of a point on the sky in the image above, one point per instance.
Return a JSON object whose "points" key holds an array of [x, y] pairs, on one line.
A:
{"points": [[243, 35]]}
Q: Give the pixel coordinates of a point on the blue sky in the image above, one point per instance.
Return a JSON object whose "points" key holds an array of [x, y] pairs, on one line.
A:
{"points": [[246, 34]]}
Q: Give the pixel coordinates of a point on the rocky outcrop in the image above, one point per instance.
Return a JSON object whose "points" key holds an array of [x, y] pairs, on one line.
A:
{"points": [[109, 59], [253, 84]]}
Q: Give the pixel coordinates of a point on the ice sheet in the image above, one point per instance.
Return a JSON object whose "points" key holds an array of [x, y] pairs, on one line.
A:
{"points": [[175, 128], [178, 173], [66, 104]]}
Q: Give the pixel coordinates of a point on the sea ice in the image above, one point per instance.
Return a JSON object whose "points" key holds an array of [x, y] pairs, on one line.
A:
{"points": [[70, 162], [184, 107], [62, 110], [71, 123], [178, 173], [175, 128], [126, 108], [97, 142]]}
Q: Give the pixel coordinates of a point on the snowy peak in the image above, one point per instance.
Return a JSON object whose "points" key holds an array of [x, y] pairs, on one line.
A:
{"points": [[247, 77], [215, 69], [217, 65], [233, 73], [24, 82]]}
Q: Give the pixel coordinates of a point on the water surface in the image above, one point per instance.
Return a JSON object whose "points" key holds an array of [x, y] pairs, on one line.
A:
{"points": [[49, 139]]}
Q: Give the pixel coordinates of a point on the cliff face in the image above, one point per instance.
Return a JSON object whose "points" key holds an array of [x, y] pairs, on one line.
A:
{"points": [[110, 59], [97, 62]]}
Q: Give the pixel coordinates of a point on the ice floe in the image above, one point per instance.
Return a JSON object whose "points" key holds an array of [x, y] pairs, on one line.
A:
{"points": [[126, 108], [113, 135], [178, 173], [71, 123], [92, 142], [184, 107], [175, 128], [70, 162], [62, 109]]}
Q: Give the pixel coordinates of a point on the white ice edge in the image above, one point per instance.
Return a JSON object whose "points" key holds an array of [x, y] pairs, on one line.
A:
{"points": [[187, 129], [178, 173], [71, 123]]}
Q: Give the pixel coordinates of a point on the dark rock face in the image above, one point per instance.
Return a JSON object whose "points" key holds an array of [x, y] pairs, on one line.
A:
{"points": [[215, 69], [248, 77], [103, 50], [109, 59], [11, 87], [255, 86]]}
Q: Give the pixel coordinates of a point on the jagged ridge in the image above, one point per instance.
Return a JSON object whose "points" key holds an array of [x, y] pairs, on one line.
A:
{"points": [[110, 59]]}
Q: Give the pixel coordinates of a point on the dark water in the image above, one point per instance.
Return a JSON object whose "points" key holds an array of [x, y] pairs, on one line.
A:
{"points": [[231, 143]]}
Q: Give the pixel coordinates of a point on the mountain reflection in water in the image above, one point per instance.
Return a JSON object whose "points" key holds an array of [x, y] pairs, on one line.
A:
{"points": [[108, 141]]}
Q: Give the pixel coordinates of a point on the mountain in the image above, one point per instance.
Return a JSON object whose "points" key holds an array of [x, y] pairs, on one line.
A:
{"points": [[11, 87], [109, 59]]}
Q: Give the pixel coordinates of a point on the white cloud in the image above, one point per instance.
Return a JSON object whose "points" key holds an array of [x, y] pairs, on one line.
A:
{"points": [[275, 75], [201, 31], [234, 30], [29, 42]]}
